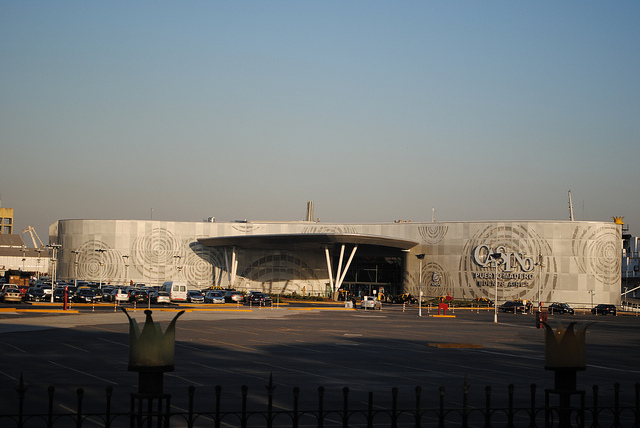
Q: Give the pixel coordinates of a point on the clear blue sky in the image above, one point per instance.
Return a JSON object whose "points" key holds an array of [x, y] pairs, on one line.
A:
{"points": [[376, 111]]}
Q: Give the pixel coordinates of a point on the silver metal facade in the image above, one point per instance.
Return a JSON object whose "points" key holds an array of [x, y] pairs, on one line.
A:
{"points": [[571, 261]]}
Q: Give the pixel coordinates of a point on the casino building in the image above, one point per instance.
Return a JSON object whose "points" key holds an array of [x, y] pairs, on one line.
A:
{"points": [[578, 262]]}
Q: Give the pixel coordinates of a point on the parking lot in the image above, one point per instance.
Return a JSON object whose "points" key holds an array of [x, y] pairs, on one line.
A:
{"points": [[306, 345]]}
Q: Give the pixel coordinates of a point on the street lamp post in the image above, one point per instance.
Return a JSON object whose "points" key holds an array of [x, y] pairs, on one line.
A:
{"points": [[496, 257], [54, 261], [75, 267], [24, 255], [420, 257], [126, 267], [540, 265], [101, 251], [38, 250]]}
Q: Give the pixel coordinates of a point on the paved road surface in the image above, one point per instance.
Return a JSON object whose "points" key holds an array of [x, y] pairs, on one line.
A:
{"points": [[333, 348]]}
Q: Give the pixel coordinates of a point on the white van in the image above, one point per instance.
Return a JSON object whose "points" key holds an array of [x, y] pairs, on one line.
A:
{"points": [[177, 290]]}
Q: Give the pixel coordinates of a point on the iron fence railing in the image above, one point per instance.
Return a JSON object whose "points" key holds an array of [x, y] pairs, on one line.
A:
{"points": [[157, 411]]}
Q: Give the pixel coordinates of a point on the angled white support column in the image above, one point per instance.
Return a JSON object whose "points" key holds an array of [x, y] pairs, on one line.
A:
{"points": [[232, 267], [227, 267], [346, 267], [339, 266], [329, 269]]}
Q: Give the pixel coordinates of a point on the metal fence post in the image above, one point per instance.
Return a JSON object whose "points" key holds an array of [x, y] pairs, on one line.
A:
{"points": [[394, 407], [320, 406], [616, 405], [243, 422], [370, 410], [441, 413], [50, 391], [218, 396], [511, 412], [109, 394], [487, 405], [596, 412], [192, 391], [345, 407], [270, 388], [296, 396], [532, 416], [21, 393], [418, 411], [465, 404], [80, 394]]}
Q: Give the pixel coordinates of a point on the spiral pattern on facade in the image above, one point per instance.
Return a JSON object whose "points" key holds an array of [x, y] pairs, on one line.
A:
{"points": [[101, 266], [433, 233], [516, 239], [198, 265], [597, 252], [436, 281]]}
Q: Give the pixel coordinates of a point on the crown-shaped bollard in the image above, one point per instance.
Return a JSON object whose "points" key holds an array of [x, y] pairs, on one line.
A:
{"points": [[565, 353], [151, 353], [565, 347]]}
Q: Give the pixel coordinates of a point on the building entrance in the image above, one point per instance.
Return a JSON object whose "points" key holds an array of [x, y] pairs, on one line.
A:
{"points": [[372, 275]]}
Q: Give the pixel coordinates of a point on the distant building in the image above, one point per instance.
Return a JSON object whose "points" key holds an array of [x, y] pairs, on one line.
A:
{"points": [[630, 264], [14, 255], [577, 262], [6, 221]]}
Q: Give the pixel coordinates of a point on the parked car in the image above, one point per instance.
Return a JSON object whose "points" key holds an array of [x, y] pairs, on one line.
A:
{"points": [[483, 301], [160, 297], [560, 308], [370, 302], [84, 295], [194, 296], [404, 298], [117, 295], [513, 306], [10, 293], [214, 296], [232, 296], [34, 294], [604, 309], [259, 298], [138, 296]]}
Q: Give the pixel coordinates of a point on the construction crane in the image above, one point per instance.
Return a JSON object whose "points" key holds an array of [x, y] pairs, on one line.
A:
{"points": [[34, 236], [570, 207]]}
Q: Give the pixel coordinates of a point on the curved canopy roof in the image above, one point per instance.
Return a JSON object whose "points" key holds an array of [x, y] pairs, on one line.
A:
{"points": [[305, 240]]}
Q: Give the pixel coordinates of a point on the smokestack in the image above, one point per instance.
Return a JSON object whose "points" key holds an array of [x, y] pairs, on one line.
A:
{"points": [[311, 215]]}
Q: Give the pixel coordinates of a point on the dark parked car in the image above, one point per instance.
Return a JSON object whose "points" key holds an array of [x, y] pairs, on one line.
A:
{"points": [[84, 295], [35, 294], [603, 309], [404, 298], [139, 296], [512, 306], [258, 298], [560, 308]]}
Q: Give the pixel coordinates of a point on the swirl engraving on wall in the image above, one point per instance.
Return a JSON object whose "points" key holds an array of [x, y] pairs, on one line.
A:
{"points": [[246, 227], [478, 281], [329, 229], [436, 281], [101, 266], [597, 252], [433, 233]]}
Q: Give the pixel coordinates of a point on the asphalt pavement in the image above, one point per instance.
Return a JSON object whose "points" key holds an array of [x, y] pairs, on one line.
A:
{"points": [[307, 347]]}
